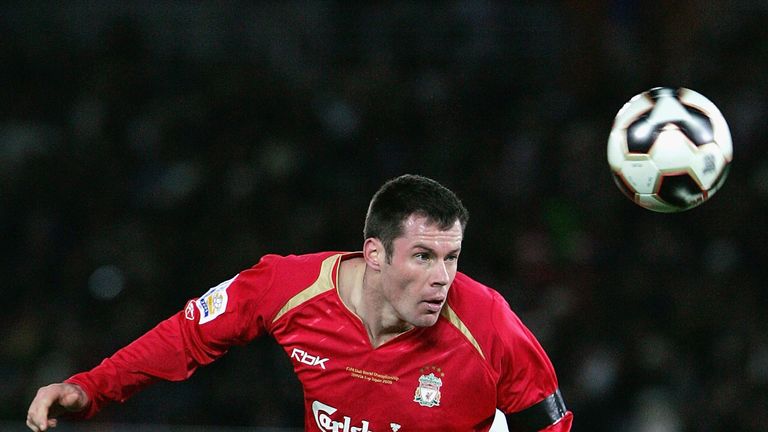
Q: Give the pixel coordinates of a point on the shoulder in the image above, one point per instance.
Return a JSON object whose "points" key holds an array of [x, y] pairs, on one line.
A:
{"points": [[516, 359], [474, 301], [276, 281], [486, 316], [295, 261], [277, 278], [288, 269]]}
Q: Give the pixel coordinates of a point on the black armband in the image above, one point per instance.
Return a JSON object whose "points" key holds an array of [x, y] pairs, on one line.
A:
{"points": [[538, 416]]}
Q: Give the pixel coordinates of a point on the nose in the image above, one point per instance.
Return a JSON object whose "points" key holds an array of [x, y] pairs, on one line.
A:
{"points": [[440, 274]]}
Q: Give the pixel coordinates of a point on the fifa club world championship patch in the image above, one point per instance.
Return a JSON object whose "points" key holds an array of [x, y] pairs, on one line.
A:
{"points": [[214, 302]]}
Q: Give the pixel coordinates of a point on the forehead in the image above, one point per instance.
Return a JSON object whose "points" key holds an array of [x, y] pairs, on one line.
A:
{"points": [[419, 229]]}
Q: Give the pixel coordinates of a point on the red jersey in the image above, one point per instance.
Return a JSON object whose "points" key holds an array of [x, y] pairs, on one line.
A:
{"points": [[450, 376]]}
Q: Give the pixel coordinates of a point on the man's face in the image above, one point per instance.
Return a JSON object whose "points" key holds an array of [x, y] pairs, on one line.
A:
{"points": [[422, 267]]}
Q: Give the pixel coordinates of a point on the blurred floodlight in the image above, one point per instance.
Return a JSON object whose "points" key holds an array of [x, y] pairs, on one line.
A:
{"points": [[106, 282]]}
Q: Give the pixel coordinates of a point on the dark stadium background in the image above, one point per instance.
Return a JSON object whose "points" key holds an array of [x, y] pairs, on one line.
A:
{"points": [[151, 149]]}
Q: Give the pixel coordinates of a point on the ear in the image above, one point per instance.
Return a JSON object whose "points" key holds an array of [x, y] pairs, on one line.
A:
{"points": [[373, 253]]}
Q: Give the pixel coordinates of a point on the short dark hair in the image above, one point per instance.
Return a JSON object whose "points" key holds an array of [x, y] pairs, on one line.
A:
{"points": [[409, 194]]}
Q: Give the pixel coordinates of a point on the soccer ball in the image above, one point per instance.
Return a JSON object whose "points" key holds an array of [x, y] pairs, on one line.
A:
{"points": [[669, 149]]}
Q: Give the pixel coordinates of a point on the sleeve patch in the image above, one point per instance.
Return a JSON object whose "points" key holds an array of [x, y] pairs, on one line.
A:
{"points": [[189, 311], [214, 302]]}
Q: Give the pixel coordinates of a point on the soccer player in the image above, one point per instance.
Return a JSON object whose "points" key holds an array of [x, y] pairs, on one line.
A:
{"points": [[390, 338]]}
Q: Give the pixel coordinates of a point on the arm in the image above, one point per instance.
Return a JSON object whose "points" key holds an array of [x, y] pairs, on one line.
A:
{"points": [[172, 351]]}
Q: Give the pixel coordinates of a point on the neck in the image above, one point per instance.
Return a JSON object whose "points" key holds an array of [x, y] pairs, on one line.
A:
{"points": [[360, 290]]}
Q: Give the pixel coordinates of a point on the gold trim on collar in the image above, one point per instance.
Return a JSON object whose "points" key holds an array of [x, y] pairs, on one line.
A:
{"points": [[451, 316]]}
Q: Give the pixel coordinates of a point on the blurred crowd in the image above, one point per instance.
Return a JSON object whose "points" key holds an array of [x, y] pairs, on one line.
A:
{"points": [[152, 149]]}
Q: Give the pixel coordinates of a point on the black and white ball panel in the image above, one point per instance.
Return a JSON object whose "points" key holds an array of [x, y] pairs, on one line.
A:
{"points": [[667, 111]]}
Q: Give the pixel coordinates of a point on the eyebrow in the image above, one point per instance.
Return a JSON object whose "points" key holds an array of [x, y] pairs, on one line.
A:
{"points": [[432, 251]]}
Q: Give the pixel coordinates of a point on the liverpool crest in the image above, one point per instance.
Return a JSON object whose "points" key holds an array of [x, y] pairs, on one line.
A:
{"points": [[428, 391]]}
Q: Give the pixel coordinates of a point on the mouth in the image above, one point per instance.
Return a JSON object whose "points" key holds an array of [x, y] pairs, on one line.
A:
{"points": [[434, 305]]}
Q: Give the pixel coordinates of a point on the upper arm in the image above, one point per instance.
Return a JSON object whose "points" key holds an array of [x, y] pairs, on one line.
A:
{"points": [[528, 390]]}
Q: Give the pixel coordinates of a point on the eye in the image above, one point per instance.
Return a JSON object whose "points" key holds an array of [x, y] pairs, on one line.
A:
{"points": [[422, 256], [452, 257]]}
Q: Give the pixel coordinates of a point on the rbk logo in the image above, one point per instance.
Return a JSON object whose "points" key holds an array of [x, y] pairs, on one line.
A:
{"points": [[307, 358]]}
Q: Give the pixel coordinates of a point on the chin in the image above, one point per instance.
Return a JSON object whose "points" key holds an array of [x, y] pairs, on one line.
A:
{"points": [[427, 321]]}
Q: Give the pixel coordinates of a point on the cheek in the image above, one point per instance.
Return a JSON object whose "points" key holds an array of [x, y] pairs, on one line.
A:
{"points": [[412, 280], [401, 272], [404, 283], [399, 284]]}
